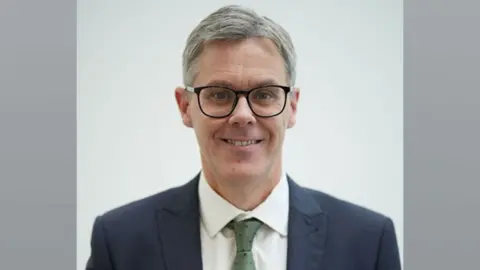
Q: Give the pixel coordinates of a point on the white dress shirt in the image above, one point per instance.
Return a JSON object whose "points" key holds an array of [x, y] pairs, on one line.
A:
{"points": [[218, 242]]}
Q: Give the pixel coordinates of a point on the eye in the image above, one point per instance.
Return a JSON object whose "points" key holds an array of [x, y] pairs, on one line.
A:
{"points": [[266, 93], [263, 95], [217, 94], [221, 95]]}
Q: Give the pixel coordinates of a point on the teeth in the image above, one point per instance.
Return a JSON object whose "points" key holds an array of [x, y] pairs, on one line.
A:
{"points": [[241, 143]]}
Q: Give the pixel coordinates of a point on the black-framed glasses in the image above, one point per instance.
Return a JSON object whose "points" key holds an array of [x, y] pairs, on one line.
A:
{"points": [[219, 101]]}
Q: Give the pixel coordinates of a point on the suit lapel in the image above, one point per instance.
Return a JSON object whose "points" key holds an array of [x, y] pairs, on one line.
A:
{"points": [[179, 229], [306, 230]]}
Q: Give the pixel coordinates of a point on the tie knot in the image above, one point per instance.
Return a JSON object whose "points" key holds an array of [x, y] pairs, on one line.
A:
{"points": [[245, 231]]}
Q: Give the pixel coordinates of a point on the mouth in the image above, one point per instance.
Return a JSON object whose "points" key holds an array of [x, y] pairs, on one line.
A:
{"points": [[242, 143]]}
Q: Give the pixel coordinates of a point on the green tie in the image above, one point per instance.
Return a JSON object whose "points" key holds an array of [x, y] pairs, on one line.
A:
{"points": [[245, 231]]}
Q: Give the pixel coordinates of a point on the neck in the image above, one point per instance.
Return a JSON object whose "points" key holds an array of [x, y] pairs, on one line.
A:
{"points": [[245, 193]]}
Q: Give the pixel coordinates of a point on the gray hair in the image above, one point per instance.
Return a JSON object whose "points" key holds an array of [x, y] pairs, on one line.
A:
{"points": [[234, 22]]}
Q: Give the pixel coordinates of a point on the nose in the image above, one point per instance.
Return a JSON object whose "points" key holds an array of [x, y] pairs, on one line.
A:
{"points": [[242, 115]]}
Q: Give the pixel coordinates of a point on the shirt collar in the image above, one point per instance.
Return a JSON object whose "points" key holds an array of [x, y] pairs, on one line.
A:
{"points": [[216, 212]]}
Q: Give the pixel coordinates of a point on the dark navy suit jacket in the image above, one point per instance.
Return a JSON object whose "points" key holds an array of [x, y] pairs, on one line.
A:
{"points": [[162, 232]]}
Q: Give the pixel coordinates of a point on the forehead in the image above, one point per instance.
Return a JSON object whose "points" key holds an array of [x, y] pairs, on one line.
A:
{"points": [[243, 63]]}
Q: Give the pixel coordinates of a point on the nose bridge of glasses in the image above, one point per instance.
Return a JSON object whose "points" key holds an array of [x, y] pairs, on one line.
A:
{"points": [[241, 94], [242, 102]]}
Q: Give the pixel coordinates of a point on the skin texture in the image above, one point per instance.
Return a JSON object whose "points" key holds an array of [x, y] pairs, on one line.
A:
{"points": [[244, 177]]}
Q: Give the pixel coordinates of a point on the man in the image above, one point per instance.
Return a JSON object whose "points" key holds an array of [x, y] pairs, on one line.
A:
{"points": [[242, 211]]}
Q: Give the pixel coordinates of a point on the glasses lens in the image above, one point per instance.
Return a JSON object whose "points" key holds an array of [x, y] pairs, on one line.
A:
{"points": [[267, 101], [216, 101]]}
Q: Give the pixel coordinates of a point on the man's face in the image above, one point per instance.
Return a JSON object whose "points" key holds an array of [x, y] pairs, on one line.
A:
{"points": [[242, 65]]}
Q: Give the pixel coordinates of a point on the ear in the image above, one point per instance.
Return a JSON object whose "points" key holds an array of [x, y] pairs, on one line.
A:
{"points": [[293, 102], [183, 101]]}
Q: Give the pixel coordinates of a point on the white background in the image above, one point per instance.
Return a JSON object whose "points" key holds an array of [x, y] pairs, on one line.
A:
{"points": [[131, 143]]}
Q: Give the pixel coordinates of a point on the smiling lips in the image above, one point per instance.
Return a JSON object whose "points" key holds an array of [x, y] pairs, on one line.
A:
{"points": [[241, 142]]}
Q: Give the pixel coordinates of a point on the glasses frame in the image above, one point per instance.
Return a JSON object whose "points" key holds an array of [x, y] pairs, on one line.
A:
{"points": [[246, 93]]}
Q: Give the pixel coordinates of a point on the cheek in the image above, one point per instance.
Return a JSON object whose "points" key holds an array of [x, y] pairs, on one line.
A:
{"points": [[276, 129], [206, 128], [202, 131], [201, 128]]}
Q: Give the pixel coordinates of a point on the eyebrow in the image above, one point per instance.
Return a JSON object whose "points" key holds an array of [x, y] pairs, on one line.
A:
{"points": [[224, 83]]}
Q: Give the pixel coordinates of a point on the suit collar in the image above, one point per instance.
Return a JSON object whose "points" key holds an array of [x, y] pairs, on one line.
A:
{"points": [[302, 201], [183, 199]]}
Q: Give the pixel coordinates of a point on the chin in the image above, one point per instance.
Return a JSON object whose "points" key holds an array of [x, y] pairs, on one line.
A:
{"points": [[241, 170]]}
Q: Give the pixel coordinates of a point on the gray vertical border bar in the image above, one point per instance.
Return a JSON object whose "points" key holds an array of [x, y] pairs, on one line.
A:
{"points": [[442, 134], [37, 134]]}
